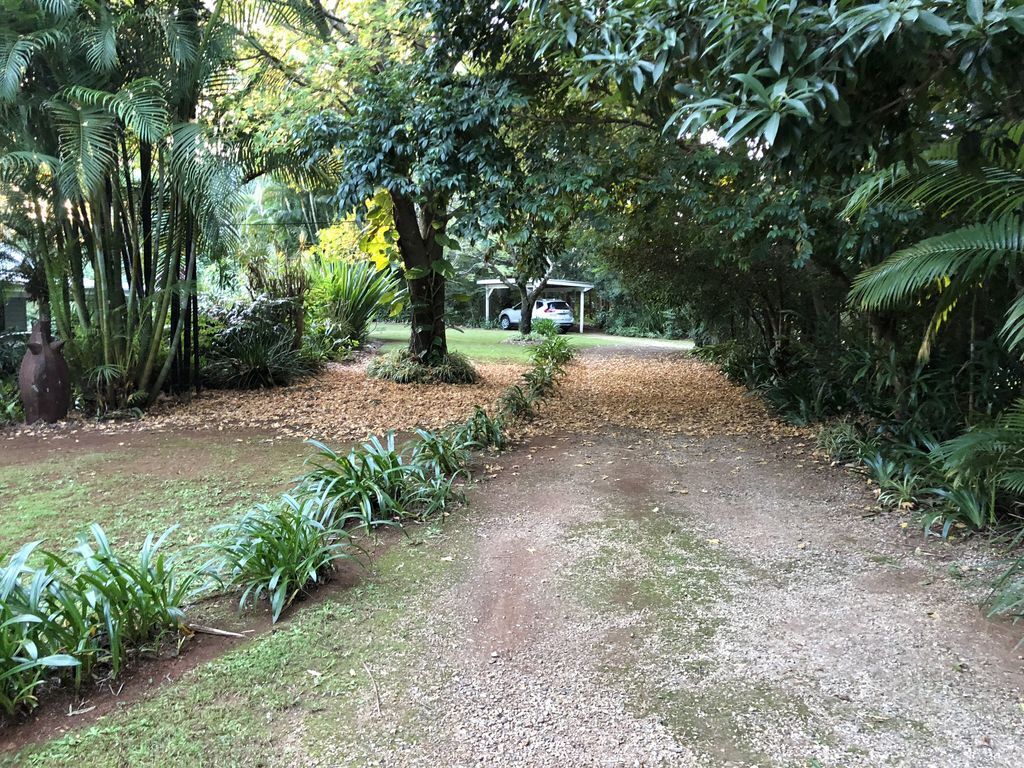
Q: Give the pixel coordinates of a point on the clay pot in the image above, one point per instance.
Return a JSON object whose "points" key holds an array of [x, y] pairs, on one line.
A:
{"points": [[43, 379]]}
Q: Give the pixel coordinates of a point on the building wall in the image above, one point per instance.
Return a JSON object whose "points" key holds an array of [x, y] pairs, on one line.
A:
{"points": [[15, 311]]}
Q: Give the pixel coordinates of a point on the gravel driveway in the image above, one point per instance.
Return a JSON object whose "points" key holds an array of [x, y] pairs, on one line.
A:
{"points": [[690, 597], [659, 574]]}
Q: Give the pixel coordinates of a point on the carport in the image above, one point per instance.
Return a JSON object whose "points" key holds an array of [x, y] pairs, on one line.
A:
{"points": [[491, 285]]}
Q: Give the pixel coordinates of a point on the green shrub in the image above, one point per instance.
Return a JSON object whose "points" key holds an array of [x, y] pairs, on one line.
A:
{"points": [[279, 551], [10, 401], [12, 350], [86, 609], [325, 341], [986, 464], [633, 331], [255, 348], [260, 358], [480, 431], [438, 453], [544, 327], [515, 404], [350, 294], [436, 492], [540, 380], [403, 367], [370, 484], [29, 632], [379, 483], [1007, 597], [138, 601], [554, 350], [841, 441]]}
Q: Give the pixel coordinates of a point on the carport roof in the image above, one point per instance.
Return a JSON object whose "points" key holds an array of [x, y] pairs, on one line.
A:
{"points": [[574, 285]]}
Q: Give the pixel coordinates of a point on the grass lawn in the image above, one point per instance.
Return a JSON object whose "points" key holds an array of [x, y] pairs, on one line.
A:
{"points": [[132, 484], [486, 345]]}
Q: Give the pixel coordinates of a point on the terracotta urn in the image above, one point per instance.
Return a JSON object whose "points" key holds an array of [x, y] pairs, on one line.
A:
{"points": [[43, 379]]}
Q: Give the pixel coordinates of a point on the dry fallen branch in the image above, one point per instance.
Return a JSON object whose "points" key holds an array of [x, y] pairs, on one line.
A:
{"points": [[200, 629]]}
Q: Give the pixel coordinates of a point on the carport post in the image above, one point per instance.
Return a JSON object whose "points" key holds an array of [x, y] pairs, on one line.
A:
{"points": [[582, 294], [487, 306]]}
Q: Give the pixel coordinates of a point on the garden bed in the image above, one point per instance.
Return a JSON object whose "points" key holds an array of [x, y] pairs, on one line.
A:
{"points": [[63, 708]]}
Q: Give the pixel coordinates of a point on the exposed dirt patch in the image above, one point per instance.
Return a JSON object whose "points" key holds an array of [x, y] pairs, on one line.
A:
{"points": [[146, 450], [696, 595]]}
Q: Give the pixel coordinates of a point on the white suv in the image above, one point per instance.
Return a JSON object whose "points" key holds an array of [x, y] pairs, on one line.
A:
{"points": [[543, 309]]}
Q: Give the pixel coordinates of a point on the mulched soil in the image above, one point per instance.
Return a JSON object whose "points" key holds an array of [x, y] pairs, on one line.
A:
{"points": [[649, 389], [338, 404]]}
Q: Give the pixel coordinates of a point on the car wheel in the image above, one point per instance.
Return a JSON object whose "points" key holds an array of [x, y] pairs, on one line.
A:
{"points": [[505, 323]]}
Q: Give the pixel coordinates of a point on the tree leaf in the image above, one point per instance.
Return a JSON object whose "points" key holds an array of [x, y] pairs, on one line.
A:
{"points": [[975, 10], [776, 54], [934, 24], [771, 128]]}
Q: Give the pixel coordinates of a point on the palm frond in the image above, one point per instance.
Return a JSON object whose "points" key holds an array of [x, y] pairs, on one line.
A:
{"points": [[1013, 326], [16, 55], [1012, 481], [205, 179], [988, 191], [139, 105], [15, 164], [88, 147], [60, 8], [180, 36], [970, 253], [290, 14], [994, 451], [101, 43]]}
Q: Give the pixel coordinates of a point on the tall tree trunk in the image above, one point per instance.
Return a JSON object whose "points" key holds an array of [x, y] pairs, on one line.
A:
{"points": [[417, 242], [529, 299], [526, 307]]}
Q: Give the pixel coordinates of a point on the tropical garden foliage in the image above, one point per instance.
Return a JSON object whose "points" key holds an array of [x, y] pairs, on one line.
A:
{"points": [[832, 202], [827, 197]]}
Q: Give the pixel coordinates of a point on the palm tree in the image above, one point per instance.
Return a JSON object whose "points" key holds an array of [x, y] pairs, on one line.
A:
{"points": [[977, 182], [111, 149]]}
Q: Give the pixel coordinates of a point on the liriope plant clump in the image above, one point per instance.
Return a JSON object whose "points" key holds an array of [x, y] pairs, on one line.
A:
{"points": [[403, 367], [86, 613], [281, 550]]}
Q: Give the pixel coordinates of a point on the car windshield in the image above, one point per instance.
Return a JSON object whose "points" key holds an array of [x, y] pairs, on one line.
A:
{"points": [[558, 305]]}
